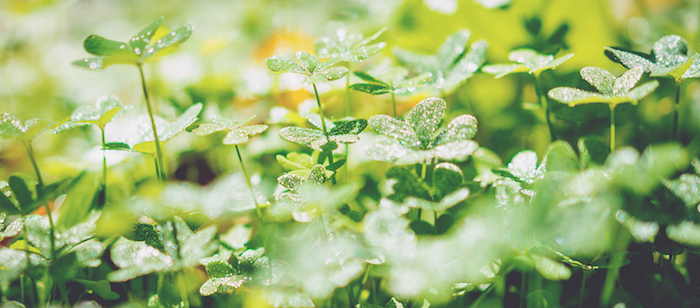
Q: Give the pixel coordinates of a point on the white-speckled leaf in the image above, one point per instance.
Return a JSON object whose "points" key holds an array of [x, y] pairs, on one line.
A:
{"points": [[308, 61], [425, 118], [453, 47], [348, 127], [222, 284], [208, 129], [501, 70], [627, 81], [553, 64], [693, 71], [574, 96], [466, 67], [235, 137], [394, 128], [601, 79], [136, 259], [458, 150], [524, 167], [669, 49], [687, 187], [279, 64], [137, 43], [304, 136], [675, 69], [328, 74], [642, 91], [167, 43], [168, 130], [254, 129], [630, 60], [530, 58], [386, 149], [12, 128], [461, 128]]}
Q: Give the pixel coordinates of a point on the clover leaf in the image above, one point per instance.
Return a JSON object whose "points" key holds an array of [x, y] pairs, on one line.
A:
{"points": [[301, 164], [12, 128], [612, 90], [348, 47], [669, 57], [343, 131], [528, 61], [26, 195], [106, 108], [314, 69], [416, 139], [236, 134], [152, 40], [452, 64], [228, 271], [182, 248], [392, 80], [687, 187]]}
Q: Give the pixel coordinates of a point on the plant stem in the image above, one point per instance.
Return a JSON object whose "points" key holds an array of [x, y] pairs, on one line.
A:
{"points": [[40, 180], [674, 134], [612, 128], [481, 297], [622, 239], [325, 130], [104, 165], [543, 101], [159, 152], [183, 289], [393, 103], [348, 105], [250, 186]]}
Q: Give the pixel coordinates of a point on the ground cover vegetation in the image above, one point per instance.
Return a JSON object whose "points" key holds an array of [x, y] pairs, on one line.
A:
{"points": [[410, 154]]}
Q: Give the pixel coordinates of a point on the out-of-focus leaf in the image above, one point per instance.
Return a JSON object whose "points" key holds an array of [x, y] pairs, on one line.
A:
{"points": [[106, 108], [12, 128], [168, 130], [643, 231], [408, 183], [349, 47], [528, 61], [101, 288], [687, 233], [236, 133], [669, 58], [687, 187], [447, 202], [374, 89], [593, 150], [447, 178], [550, 269], [560, 157], [622, 89]]}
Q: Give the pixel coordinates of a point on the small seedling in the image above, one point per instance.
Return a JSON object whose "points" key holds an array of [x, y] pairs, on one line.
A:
{"points": [[534, 64], [668, 58], [152, 40], [452, 65], [236, 134], [613, 91]]}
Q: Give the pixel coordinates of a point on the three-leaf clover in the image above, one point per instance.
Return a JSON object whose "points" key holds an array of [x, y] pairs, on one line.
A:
{"points": [[106, 108], [236, 132], [669, 57], [343, 131], [315, 69], [417, 139], [12, 128], [613, 91], [452, 64], [348, 47], [528, 61], [140, 48]]}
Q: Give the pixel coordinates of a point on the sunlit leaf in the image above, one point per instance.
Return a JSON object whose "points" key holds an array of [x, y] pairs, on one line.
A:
{"points": [[643, 231], [168, 130], [425, 119], [349, 47], [686, 232], [528, 61], [12, 128], [687, 187], [279, 64], [106, 108], [374, 89], [623, 90], [550, 269]]}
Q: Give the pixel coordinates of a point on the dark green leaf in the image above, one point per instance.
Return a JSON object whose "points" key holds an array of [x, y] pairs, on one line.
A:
{"points": [[407, 184], [560, 157], [367, 77], [336, 165], [139, 41], [374, 89], [101, 288], [593, 150], [422, 227], [448, 177], [444, 223], [348, 127], [117, 146], [20, 184]]}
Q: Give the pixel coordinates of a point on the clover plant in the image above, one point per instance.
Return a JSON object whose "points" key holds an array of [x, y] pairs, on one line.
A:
{"points": [[152, 40], [452, 65], [613, 91], [668, 58], [534, 64]]}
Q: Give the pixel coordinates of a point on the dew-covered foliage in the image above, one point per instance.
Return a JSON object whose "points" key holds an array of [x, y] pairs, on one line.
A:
{"points": [[253, 161]]}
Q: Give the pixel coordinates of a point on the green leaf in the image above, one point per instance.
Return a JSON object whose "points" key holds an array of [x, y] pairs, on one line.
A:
{"points": [[136, 259], [20, 183], [312, 138], [279, 64], [601, 79], [23, 246], [444, 223], [167, 43], [629, 59], [561, 157], [447, 202], [593, 150], [374, 89], [7, 206], [101, 288], [465, 67], [425, 118], [348, 127], [117, 146], [168, 130], [328, 74], [643, 231], [394, 128], [550, 269], [408, 184], [367, 77], [687, 187], [524, 167], [100, 46], [687, 233], [106, 108], [148, 233], [422, 227], [12, 128], [461, 128], [138, 42], [295, 161], [501, 70], [307, 60], [447, 178], [222, 284], [627, 81]]}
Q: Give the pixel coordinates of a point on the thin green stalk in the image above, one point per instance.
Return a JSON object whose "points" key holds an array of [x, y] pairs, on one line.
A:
{"points": [[393, 103], [325, 130], [250, 186], [543, 102], [612, 127], [159, 152], [104, 165], [40, 180], [481, 297], [348, 105], [674, 134], [351, 296], [622, 240], [183, 289]]}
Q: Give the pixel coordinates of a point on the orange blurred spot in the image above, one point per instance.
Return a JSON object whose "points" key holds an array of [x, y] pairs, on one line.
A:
{"points": [[284, 43]]}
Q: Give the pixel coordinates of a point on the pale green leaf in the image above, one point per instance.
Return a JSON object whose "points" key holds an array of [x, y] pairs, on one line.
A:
{"points": [[279, 64], [425, 119], [138, 42], [560, 156], [222, 284], [394, 128], [550, 269], [687, 187], [630, 60], [374, 89], [687, 233], [643, 231], [308, 61], [167, 43], [136, 259], [501, 70], [461, 128], [627, 81], [312, 138], [444, 204], [601, 79]]}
